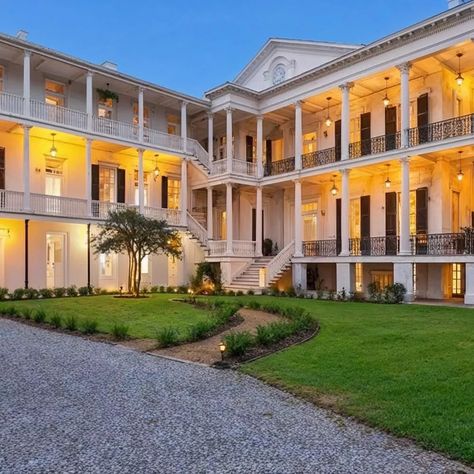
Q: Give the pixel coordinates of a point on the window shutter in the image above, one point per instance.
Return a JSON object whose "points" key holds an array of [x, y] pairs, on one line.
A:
{"points": [[337, 139], [365, 216], [390, 128], [120, 185], [249, 148], [422, 117], [254, 224], [164, 192], [95, 182], [2, 168], [391, 223], [422, 211], [338, 226], [268, 150], [365, 134]]}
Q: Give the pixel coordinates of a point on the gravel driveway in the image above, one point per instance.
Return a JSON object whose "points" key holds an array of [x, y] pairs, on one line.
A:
{"points": [[70, 405]]}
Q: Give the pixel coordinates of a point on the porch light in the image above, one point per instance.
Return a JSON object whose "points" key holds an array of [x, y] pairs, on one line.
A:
{"points": [[386, 100], [53, 151], [156, 171], [328, 118], [459, 78], [334, 189], [222, 349], [460, 173], [388, 183]]}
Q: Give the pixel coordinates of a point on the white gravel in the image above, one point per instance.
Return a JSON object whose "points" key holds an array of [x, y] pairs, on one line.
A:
{"points": [[69, 405]]}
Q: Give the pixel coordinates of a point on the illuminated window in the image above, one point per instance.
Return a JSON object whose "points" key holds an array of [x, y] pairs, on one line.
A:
{"points": [[309, 212], [458, 279], [309, 142], [414, 278], [358, 277], [145, 179], [145, 265], [355, 219], [105, 265], [382, 278], [174, 186], [105, 108], [54, 93], [107, 184], [172, 124], [2, 77], [146, 115]]}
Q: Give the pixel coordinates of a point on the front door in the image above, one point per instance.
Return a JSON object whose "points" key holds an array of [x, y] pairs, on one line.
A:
{"points": [[53, 185], [55, 260]]}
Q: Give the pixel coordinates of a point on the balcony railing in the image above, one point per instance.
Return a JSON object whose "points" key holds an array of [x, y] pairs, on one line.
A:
{"points": [[11, 104], [459, 243], [320, 248], [280, 167], [58, 115], [375, 145], [374, 246], [219, 167], [243, 167], [240, 248], [58, 206], [171, 216], [319, 158]]}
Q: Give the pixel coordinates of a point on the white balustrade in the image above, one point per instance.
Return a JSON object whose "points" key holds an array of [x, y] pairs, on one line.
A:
{"points": [[11, 201], [171, 216], [219, 167], [243, 248], [58, 205], [197, 230], [58, 115], [11, 104], [279, 261], [102, 209], [113, 128], [247, 168], [155, 137], [217, 247], [195, 148]]}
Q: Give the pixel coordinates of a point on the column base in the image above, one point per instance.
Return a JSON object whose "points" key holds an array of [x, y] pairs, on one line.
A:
{"points": [[469, 298], [298, 254]]}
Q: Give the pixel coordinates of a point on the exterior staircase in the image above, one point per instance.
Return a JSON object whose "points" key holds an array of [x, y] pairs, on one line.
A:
{"points": [[249, 279]]}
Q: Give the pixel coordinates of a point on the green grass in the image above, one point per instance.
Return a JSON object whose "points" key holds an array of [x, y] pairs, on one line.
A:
{"points": [[143, 316]]}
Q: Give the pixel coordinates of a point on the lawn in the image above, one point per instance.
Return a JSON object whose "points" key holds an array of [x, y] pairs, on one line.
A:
{"points": [[143, 316]]}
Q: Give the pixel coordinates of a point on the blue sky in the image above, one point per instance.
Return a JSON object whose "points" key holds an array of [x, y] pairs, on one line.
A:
{"points": [[194, 45]]}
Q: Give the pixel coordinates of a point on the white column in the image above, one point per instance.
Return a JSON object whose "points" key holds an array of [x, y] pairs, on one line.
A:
{"points": [[298, 134], [298, 220], [210, 137], [141, 114], [345, 120], [26, 168], [210, 214], [184, 192], [403, 273], [89, 100], [229, 218], [469, 291], [344, 213], [344, 277], [404, 103], [258, 223], [229, 139], [184, 125], [89, 175], [26, 82], [405, 209], [259, 146], [141, 182]]}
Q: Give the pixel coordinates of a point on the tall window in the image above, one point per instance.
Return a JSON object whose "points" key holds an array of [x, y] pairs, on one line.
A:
{"points": [[172, 124], [105, 108], [105, 265], [309, 142], [54, 93], [146, 115], [382, 279], [455, 212], [458, 279], [358, 277], [107, 184], [174, 187], [309, 213], [2, 77], [145, 179], [355, 219], [146, 265]]}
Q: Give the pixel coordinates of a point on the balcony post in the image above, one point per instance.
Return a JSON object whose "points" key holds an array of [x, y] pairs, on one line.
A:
{"points": [[26, 168], [210, 136], [184, 125], [258, 223], [345, 119], [298, 134], [469, 291], [259, 146], [184, 192], [89, 99], [405, 208], [210, 221], [141, 114], [89, 176], [404, 103], [298, 220], [26, 83], [229, 139], [344, 213], [141, 182], [229, 218]]}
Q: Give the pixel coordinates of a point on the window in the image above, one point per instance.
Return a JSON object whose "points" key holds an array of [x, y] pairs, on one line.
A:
{"points": [[172, 125], [52, 184], [309, 212], [145, 179], [174, 186], [146, 115], [54, 93], [355, 219], [105, 265], [2, 170], [358, 277], [145, 265], [458, 279], [382, 278], [107, 186], [309, 142], [222, 147], [2, 77], [105, 108]]}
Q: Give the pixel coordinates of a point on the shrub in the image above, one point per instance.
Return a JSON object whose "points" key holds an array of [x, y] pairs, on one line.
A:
{"points": [[331, 295], [31, 293], [267, 247], [46, 292], [144, 290], [71, 323], [250, 292], [240, 293], [231, 293], [291, 292], [253, 305], [264, 292], [3, 293], [56, 320], [201, 330], [89, 326], [238, 343], [274, 291], [170, 289], [59, 292], [342, 295], [18, 294], [71, 290], [208, 278], [120, 332], [395, 293], [167, 337], [26, 313], [84, 291], [39, 316], [162, 289], [264, 336], [97, 291], [356, 296], [154, 289]]}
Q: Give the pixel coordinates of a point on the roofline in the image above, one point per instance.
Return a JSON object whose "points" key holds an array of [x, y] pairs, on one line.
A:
{"points": [[58, 55]]}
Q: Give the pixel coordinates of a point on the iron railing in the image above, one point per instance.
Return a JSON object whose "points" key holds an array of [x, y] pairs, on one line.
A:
{"points": [[374, 246], [374, 145], [320, 248], [319, 158], [458, 243], [280, 167]]}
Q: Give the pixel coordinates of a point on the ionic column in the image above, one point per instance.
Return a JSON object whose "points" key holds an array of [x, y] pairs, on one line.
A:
{"points": [[229, 139], [141, 182], [141, 114], [344, 213], [258, 223], [89, 99], [210, 136], [184, 125], [345, 120], [298, 220], [259, 146], [298, 134], [26, 168], [210, 221], [26, 82], [405, 209], [89, 176], [184, 192], [404, 103], [228, 215]]}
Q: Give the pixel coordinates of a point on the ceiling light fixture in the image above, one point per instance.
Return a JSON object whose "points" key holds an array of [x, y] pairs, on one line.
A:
{"points": [[459, 78], [460, 173], [388, 183], [156, 171], [328, 118], [386, 100], [334, 189], [53, 151]]}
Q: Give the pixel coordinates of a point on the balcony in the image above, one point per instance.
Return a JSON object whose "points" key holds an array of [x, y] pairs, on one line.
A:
{"points": [[240, 248], [279, 167], [241, 167], [459, 243], [319, 158], [374, 246], [320, 248], [374, 146]]}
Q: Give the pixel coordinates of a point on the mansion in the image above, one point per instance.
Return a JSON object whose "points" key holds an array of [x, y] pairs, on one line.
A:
{"points": [[321, 166]]}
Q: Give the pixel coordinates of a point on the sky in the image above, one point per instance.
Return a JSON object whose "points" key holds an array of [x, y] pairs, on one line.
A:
{"points": [[192, 46]]}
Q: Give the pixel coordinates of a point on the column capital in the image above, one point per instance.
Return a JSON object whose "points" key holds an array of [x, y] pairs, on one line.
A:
{"points": [[141, 89], [298, 104], [259, 117], [209, 187], [297, 181], [210, 115], [404, 68], [229, 109], [88, 140], [405, 159], [347, 86], [140, 151], [89, 73], [344, 171], [184, 103], [27, 127], [27, 52]]}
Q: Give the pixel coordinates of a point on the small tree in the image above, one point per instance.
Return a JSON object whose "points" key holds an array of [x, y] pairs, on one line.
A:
{"points": [[128, 231]]}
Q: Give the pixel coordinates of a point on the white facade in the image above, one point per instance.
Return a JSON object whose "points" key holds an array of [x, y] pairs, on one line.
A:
{"points": [[326, 166]]}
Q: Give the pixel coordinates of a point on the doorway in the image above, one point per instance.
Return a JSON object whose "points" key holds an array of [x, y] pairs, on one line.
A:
{"points": [[55, 260]]}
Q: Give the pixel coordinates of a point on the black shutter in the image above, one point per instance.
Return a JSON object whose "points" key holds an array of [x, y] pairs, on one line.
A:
{"points": [[254, 224], [390, 128], [164, 192], [422, 118], [95, 182], [365, 134], [472, 218], [391, 223], [268, 157], [337, 139], [365, 225], [120, 185], [338, 226], [2, 168], [422, 211], [249, 148]]}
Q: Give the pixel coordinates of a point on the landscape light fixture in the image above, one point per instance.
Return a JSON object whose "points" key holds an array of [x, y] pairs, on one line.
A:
{"points": [[222, 349]]}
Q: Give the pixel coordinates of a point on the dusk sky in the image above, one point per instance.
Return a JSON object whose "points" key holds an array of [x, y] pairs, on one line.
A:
{"points": [[195, 45]]}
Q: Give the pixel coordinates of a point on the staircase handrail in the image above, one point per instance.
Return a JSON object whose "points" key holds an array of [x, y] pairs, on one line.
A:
{"points": [[200, 153], [197, 230], [280, 260]]}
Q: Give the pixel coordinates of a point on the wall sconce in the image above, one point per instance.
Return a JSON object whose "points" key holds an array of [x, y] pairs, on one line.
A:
{"points": [[325, 133], [37, 170], [323, 212]]}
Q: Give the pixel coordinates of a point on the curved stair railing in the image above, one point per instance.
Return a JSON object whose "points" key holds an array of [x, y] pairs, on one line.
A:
{"points": [[278, 262], [197, 230], [199, 152]]}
